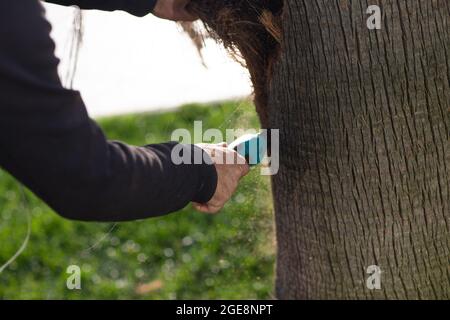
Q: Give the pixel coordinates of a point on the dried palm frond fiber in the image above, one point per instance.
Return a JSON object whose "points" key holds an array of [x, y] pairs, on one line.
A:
{"points": [[250, 30]]}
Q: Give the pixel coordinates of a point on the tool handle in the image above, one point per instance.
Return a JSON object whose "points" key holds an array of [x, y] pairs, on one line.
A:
{"points": [[251, 146]]}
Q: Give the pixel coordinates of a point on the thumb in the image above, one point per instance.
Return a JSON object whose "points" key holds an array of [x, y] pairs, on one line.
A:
{"points": [[183, 12]]}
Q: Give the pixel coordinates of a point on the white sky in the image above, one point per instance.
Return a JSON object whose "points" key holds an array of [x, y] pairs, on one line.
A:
{"points": [[130, 64]]}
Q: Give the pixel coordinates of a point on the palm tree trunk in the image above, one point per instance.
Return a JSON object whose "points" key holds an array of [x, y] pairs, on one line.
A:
{"points": [[364, 174]]}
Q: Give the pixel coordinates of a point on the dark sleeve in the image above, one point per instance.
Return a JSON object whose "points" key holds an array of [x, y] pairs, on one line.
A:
{"points": [[48, 141], [138, 8]]}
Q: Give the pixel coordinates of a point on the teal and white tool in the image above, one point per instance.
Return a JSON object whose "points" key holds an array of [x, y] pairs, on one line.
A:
{"points": [[252, 147]]}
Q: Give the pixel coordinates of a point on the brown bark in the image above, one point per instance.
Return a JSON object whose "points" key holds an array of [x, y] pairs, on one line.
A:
{"points": [[364, 125], [251, 31]]}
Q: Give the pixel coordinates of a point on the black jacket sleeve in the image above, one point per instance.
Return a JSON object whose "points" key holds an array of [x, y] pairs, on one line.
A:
{"points": [[138, 8], [48, 141]]}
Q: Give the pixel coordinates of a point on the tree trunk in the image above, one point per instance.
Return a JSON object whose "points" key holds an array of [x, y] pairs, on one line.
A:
{"points": [[364, 174]]}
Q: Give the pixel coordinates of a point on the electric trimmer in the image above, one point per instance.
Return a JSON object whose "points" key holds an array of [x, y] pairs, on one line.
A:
{"points": [[252, 147]]}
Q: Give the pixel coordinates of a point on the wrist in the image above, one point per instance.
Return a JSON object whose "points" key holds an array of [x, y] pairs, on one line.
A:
{"points": [[207, 177], [140, 8]]}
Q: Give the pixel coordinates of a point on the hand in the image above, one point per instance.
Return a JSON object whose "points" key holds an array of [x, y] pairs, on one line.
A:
{"points": [[230, 167], [173, 10]]}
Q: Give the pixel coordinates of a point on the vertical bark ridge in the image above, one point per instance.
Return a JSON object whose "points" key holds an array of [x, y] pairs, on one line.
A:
{"points": [[364, 124]]}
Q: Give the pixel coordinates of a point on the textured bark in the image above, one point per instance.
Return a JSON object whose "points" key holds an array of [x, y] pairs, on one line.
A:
{"points": [[364, 125], [251, 31]]}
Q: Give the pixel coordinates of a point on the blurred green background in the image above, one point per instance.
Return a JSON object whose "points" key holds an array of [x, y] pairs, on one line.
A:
{"points": [[186, 255]]}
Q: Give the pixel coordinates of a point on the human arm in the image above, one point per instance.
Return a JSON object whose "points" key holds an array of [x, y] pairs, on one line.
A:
{"points": [[48, 141], [165, 9]]}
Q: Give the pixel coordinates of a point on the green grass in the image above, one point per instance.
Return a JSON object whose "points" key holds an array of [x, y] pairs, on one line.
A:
{"points": [[186, 255]]}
